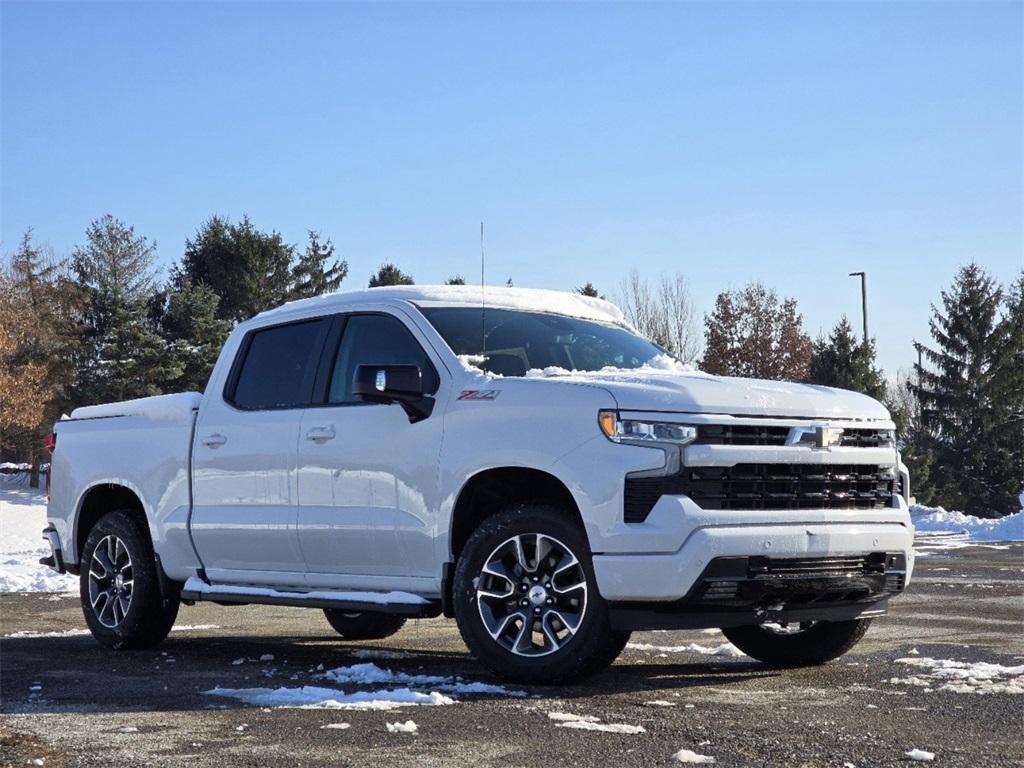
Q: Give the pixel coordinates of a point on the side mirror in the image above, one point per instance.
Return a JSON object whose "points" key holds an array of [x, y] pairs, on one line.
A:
{"points": [[402, 384]]}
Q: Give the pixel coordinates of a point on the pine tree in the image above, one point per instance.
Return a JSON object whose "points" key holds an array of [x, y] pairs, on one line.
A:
{"points": [[839, 361], [1009, 425], [456, 280], [250, 270], [194, 335], [966, 401], [389, 274], [751, 333], [588, 290], [317, 271], [123, 356]]}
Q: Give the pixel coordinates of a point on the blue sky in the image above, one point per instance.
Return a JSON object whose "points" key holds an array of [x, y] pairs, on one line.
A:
{"points": [[790, 144]]}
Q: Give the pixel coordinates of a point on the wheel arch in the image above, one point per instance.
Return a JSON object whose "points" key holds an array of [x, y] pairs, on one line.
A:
{"points": [[103, 497]]}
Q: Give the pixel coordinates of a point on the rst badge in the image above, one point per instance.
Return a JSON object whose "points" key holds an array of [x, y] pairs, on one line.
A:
{"points": [[479, 394]]}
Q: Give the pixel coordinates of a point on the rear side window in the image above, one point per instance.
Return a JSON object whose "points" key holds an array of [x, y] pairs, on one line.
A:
{"points": [[375, 340], [279, 366]]}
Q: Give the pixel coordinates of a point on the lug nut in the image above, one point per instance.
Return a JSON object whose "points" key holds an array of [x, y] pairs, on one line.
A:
{"points": [[549, 601], [547, 586], [525, 603], [536, 610]]}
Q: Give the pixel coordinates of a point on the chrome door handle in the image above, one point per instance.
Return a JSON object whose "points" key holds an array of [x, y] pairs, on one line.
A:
{"points": [[214, 441], [320, 434]]}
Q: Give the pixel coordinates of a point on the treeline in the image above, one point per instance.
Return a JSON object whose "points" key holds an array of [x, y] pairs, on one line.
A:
{"points": [[99, 325]]}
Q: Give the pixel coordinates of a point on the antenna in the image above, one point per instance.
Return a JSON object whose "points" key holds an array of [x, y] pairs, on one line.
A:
{"points": [[483, 301]]}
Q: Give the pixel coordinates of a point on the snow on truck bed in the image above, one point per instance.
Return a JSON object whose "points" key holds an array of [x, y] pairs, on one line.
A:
{"points": [[162, 407]]}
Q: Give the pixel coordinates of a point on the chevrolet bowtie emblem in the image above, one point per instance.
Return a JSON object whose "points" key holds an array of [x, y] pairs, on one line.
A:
{"points": [[816, 435]]}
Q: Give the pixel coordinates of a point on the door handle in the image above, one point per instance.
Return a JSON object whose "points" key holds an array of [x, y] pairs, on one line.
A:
{"points": [[320, 434], [214, 441]]}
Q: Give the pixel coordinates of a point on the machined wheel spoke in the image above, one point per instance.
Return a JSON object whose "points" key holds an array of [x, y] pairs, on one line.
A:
{"points": [[111, 581], [104, 560], [570, 626]]}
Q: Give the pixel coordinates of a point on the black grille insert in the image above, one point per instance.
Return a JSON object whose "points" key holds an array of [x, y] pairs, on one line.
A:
{"points": [[766, 486]]}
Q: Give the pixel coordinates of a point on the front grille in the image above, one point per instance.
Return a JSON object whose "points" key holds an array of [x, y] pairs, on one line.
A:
{"points": [[755, 434], [766, 486]]}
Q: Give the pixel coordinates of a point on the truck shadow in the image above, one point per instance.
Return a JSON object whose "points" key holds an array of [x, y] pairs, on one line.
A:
{"points": [[44, 675]]}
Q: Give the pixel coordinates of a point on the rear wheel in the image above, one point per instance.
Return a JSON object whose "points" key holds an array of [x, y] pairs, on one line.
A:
{"points": [[120, 587], [363, 626], [798, 645], [526, 599]]}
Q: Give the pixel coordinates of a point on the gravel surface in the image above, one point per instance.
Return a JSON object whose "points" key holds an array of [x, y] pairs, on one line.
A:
{"points": [[67, 702]]}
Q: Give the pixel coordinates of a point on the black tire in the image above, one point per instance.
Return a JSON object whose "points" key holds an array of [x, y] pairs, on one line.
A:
{"points": [[363, 626], [146, 616], [821, 642], [591, 648]]}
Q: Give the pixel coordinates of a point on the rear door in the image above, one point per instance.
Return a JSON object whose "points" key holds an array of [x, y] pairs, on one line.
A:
{"points": [[245, 457], [368, 478]]}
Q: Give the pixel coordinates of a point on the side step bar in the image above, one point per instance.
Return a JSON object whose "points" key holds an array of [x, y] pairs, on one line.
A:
{"points": [[402, 603]]}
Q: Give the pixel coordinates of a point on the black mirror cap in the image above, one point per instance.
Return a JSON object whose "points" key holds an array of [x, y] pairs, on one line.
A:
{"points": [[401, 384]]}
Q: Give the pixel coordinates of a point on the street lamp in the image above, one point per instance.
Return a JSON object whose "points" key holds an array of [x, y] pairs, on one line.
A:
{"points": [[863, 299]]}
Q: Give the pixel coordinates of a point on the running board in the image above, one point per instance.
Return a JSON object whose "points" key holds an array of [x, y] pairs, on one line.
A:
{"points": [[402, 603]]}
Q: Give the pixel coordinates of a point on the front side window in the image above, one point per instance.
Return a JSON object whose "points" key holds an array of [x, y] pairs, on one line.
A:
{"points": [[513, 341], [375, 340], [279, 366]]}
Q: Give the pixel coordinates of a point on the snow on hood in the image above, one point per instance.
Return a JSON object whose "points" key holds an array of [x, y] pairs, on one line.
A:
{"points": [[664, 384], [162, 407]]}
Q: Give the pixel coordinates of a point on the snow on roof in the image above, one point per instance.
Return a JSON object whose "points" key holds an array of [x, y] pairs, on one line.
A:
{"points": [[526, 299]]}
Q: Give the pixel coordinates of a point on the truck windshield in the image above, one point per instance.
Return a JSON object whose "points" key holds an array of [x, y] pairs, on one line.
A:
{"points": [[517, 341]]}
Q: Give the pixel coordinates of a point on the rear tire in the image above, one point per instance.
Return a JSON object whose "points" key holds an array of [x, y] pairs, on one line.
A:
{"points": [[821, 642], [530, 611], [120, 586], [363, 626]]}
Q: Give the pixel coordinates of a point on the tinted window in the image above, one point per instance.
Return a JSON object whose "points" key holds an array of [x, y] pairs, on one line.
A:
{"points": [[375, 340], [279, 366], [518, 341]]}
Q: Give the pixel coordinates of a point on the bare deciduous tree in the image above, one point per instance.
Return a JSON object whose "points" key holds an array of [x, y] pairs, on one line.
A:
{"points": [[662, 312]]}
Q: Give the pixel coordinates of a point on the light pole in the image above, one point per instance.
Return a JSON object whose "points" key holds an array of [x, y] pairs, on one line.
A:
{"points": [[863, 300]]}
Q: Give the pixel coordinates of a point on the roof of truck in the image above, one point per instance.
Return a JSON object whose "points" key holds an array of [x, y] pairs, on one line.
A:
{"points": [[527, 299]]}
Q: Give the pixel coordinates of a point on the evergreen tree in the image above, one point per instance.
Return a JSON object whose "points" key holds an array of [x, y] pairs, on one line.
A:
{"points": [[250, 270], [751, 333], [389, 274], [967, 403], [1009, 427], [839, 361], [194, 335], [588, 290], [123, 356], [911, 438], [457, 280], [317, 271]]}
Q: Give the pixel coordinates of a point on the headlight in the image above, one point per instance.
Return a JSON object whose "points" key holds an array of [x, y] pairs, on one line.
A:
{"points": [[641, 431]]}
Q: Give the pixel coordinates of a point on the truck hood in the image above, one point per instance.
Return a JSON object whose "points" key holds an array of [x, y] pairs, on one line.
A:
{"points": [[701, 393]]}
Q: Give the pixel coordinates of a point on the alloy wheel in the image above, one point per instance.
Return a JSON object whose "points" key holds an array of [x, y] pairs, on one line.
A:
{"points": [[111, 581]]}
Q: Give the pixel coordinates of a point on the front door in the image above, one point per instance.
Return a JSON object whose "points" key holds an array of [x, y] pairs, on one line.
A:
{"points": [[245, 458], [368, 478]]}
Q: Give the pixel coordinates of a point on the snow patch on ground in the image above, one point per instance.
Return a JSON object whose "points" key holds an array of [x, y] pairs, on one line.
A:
{"points": [[920, 755], [22, 519], [371, 674], [587, 725], [688, 756], [407, 727], [315, 697], [567, 717], [936, 520], [725, 649], [962, 676]]}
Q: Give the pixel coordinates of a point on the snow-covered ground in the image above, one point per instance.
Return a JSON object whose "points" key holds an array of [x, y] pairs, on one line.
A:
{"points": [[22, 519], [930, 520]]}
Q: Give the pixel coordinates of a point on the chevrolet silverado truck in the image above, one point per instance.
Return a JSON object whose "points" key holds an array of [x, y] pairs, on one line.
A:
{"points": [[523, 461]]}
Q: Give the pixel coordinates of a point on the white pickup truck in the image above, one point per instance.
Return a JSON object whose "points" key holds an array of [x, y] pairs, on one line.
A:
{"points": [[522, 461]]}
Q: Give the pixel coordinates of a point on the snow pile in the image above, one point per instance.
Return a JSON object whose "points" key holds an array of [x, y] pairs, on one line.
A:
{"points": [[688, 756], [963, 676], [725, 649], [936, 520], [160, 408], [22, 519], [314, 697], [591, 723], [407, 727], [920, 755], [371, 674]]}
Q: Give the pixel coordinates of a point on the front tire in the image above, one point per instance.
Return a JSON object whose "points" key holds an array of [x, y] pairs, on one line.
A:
{"points": [[120, 587], [526, 599], [799, 646], [363, 626]]}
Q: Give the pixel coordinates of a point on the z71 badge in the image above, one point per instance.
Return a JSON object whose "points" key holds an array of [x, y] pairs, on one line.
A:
{"points": [[480, 394]]}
